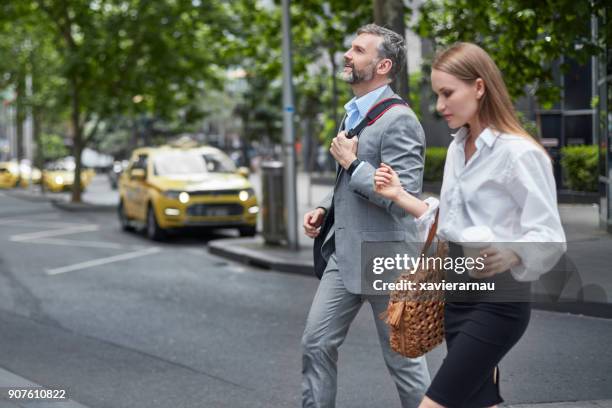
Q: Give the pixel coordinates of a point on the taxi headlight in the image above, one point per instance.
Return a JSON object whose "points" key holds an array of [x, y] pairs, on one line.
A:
{"points": [[246, 194], [183, 197], [59, 179]]}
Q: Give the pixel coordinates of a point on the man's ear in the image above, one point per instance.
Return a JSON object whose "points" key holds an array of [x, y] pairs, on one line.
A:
{"points": [[384, 66]]}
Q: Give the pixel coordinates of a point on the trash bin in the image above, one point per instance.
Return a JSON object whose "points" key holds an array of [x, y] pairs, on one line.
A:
{"points": [[273, 202]]}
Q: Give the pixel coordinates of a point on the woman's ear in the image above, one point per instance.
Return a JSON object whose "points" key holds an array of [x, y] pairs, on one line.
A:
{"points": [[480, 88]]}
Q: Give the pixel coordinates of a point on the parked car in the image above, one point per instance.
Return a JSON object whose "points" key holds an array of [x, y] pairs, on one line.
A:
{"points": [[171, 187], [13, 175], [59, 176]]}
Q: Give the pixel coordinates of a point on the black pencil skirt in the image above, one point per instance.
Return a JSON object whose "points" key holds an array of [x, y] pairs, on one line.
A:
{"points": [[478, 335]]}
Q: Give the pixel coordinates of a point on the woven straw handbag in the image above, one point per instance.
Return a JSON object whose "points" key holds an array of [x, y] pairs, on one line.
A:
{"points": [[416, 317]]}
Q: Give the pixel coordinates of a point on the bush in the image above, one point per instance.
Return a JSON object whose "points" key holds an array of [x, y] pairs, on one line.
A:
{"points": [[434, 163], [579, 164]]}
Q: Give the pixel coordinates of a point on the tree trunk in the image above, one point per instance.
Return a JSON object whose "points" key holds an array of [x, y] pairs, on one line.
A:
{"points": [[334, 79], [20, 114], [390, 14], [39, 158], [77, 140]]}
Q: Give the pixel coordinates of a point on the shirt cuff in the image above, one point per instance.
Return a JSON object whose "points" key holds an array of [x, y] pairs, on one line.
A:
{"points": [[432, 206], [360, 165]]}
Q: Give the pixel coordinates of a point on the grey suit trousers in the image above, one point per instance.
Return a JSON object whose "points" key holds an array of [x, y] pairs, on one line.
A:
{"points": [[332, 311]]}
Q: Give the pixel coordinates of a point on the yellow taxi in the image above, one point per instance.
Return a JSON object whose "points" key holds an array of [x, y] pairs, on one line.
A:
{"points": [[59, 176], [172, 187], [13, 175]]}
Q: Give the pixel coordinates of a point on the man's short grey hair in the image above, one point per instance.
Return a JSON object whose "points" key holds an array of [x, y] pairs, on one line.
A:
{"points": [[392, 46]]}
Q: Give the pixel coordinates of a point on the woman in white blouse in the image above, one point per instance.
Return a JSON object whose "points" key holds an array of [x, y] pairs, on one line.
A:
{"points": [[497, 176]]}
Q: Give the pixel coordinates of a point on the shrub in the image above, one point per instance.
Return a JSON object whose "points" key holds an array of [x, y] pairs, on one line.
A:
{"points": [[434, 163], [579, 164]]}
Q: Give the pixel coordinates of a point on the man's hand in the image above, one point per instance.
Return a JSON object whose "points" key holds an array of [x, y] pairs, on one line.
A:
{"points": [[344, 149], [312, 221]]}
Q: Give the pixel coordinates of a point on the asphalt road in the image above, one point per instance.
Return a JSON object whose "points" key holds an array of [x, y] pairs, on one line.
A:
{"points": [[124, 322]]}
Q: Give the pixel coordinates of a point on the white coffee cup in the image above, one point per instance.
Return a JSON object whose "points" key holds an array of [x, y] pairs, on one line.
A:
{"points": [[473, 240]]}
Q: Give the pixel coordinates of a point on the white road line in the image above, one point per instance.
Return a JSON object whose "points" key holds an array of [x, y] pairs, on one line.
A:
{"points": [[10, 222], [102, 261], [39, 224], [84, 244], [54, 233]]}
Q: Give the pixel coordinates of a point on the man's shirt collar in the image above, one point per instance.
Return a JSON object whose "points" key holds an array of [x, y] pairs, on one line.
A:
{"points": [[365, 102]]}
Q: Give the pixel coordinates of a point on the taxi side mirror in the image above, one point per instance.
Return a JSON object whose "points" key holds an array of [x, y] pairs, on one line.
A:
{"points": [[244, 171], [138, 174]]}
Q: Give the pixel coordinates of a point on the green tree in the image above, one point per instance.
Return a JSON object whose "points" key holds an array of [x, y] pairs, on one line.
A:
{"points": [[524, 37], [135, 58]]}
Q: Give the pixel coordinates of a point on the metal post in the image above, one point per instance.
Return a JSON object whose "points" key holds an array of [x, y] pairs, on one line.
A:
{"points": [[288, 132]]}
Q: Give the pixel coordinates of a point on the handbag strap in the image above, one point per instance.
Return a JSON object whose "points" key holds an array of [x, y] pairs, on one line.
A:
{"points": [[432, 233]]}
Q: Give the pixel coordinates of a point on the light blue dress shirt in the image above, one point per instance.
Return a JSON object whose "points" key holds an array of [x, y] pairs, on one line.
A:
{"points": [[357, 109]]}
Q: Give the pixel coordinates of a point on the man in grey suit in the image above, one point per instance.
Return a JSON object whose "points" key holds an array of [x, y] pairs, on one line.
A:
{"points": [[361, 215]]}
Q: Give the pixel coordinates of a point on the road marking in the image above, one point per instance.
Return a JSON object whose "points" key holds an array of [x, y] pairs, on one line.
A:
{"points": [[54, 233], [103, 261], [84, 244], [10, 221], [39, 224]]}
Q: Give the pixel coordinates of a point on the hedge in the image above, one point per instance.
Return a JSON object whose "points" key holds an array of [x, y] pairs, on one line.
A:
{"points": [[579, 164], [434, 163]]}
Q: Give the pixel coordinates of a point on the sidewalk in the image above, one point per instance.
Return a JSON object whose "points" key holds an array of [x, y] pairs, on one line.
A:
{"points": [[590, 249]]}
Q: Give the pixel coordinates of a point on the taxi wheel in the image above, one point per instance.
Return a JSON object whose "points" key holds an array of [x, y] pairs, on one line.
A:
{"points": [[154, 231], [123, 218], [247, 231]]}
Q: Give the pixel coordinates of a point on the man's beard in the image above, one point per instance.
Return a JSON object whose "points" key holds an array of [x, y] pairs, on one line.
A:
{"points": [[357, 76]]}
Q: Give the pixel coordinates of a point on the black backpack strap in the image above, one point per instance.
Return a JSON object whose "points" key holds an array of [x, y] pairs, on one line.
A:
{"points": [[374, 114]]}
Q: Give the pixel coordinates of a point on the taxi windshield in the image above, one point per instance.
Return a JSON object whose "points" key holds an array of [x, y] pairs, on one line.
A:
{"points": [[177, 163]]}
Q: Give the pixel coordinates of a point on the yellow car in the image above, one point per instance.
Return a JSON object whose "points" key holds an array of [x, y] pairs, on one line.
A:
{"points": [[13, 175], [59, 176], [172, 187]]}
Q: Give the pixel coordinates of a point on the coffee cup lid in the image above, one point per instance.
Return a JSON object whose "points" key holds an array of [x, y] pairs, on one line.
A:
{"points": [[477, 234]]}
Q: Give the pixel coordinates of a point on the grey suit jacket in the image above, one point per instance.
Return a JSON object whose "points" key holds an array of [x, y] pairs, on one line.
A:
{"points": [[397, 139]]}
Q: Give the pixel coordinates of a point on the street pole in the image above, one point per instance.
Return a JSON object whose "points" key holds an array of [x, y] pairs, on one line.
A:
{"points": [[288, 132]]}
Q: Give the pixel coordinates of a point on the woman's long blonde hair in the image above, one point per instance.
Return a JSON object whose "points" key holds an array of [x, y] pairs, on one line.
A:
{"points": [[468, 62]]}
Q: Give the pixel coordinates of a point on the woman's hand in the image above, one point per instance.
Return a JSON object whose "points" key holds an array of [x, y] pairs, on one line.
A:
{"points": [[387, 183], [496, 261]]}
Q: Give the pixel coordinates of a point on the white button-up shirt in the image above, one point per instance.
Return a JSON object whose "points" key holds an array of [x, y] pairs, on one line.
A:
{"points": [[507, 185]]}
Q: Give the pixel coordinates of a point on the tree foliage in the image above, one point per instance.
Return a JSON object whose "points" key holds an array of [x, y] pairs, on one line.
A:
{"points": [[524, 37]]}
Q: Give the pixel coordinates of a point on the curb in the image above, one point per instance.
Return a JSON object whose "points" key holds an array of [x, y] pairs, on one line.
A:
{"points": [[35, 198], [83, 206], [235, 250], [230, 248], [61, 203]]}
